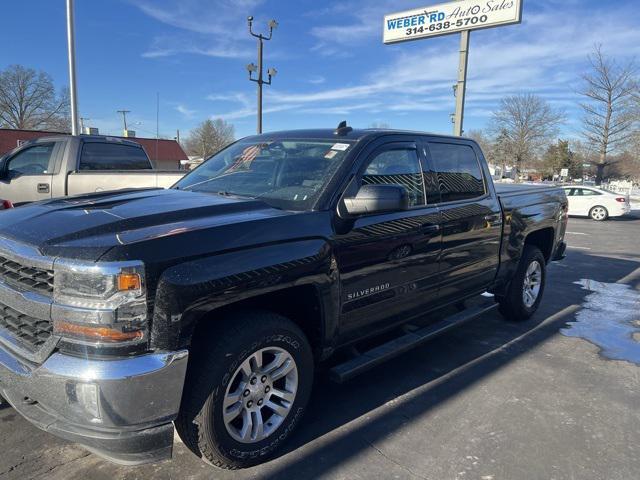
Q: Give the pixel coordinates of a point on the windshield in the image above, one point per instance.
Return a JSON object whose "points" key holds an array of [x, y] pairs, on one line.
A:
{"points": [[288, 174]]}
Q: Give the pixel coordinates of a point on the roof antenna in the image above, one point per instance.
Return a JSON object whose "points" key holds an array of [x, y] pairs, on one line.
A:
{"points": [[342, 129]]}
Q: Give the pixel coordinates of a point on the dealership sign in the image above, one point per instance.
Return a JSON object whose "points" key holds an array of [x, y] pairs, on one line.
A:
{"points": [[450, 18]]}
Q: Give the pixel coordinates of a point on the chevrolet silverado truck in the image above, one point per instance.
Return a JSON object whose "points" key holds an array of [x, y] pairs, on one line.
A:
{"points": [[209, 305], [52, 167]]}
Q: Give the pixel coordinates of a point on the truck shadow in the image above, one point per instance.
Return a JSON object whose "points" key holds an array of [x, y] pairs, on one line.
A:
{"points": [[434, 373]]}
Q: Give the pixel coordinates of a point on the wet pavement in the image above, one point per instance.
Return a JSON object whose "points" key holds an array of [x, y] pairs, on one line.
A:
{"points": [[492, 400]]}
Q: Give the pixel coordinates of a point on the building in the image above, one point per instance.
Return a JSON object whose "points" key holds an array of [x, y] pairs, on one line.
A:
{"points": [[164, 154]]}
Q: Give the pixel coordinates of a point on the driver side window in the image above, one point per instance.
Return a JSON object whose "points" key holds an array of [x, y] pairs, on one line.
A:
{"points": [[32, 161], [397, 167]]}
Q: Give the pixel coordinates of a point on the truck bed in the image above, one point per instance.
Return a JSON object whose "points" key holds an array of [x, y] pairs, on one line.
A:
{"points": [[510, 189], [99, 181]]}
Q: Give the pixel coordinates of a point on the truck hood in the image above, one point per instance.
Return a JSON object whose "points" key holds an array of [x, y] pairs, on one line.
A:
{"points": [[86, 226]]}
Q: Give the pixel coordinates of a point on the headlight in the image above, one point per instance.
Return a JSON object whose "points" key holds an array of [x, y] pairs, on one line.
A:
{"points": [[99, 302]]}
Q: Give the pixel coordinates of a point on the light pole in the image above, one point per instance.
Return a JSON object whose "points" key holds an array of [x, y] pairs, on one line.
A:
{"points": [[252, 68], [71, 51]]}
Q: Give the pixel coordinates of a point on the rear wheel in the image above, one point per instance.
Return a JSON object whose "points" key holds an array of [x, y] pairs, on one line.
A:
{"points": [[526, 288], [244, 396], [599, 213]]}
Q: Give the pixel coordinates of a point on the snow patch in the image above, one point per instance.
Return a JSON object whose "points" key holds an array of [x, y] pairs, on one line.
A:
{"points": [[610, 319]]}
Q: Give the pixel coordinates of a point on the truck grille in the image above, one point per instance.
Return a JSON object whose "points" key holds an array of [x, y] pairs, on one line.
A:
{"points": [[30, 278], [31, 331]]}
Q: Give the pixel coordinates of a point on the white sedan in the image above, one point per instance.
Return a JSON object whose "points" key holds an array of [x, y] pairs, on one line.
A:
{"points": [[596, 203]]}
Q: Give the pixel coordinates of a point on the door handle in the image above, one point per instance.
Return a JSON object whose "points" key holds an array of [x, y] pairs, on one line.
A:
{"points": [[430, 229], [495, 219], [43, 188]]}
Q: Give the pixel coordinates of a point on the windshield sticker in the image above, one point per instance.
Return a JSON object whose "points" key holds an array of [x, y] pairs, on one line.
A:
{"points": [[330, 154], [340, 146]]}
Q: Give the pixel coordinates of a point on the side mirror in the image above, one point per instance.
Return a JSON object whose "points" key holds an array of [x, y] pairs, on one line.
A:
{"points": [[377, 199]]}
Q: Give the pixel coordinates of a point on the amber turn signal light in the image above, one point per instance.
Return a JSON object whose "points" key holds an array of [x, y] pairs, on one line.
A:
{"points": [[129, 281], [100, 333]]}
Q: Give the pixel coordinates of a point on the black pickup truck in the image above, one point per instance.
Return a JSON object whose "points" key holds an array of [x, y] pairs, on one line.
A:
{"points": [[209, 305]]}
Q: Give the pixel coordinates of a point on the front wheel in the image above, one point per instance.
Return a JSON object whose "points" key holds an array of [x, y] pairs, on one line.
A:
{"points": [[599, 213], [526, 288], [244, 396]]}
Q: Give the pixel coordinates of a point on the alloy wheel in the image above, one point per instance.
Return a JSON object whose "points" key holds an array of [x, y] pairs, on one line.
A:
{"points": [[532, 283], [260, 395]]}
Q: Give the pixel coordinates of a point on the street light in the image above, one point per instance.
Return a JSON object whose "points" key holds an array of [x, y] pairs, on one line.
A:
{"points": [[252, 68]]}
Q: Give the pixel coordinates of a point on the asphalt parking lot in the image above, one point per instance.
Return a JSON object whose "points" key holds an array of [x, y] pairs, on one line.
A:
{"points": [[489, 401]]}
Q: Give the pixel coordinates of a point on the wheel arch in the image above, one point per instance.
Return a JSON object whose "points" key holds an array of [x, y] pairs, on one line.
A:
{"points": [[301, 304], [544, 239]]}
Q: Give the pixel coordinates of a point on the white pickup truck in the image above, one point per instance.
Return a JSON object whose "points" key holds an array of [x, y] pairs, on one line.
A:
{"points": [[59, 166]]}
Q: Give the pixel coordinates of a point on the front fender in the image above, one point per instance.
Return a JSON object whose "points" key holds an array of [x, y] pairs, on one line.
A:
{"points": [[188, 291]]}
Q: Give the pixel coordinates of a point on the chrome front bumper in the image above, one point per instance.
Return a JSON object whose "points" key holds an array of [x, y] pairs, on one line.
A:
{"points": [[121, 409]]}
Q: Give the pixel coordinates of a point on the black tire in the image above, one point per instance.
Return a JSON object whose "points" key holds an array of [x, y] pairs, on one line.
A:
{"points": [[211, 368], [512, 304], [600, 217]]}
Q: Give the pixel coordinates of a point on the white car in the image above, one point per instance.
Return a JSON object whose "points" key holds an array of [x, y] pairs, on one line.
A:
{"points": [[595, 202]]}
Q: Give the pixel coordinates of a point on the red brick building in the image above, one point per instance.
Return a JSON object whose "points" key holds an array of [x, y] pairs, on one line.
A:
{"points": [[165, 154]]}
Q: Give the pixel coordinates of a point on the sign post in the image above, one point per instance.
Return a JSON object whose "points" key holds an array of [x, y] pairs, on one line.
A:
{"points": [[459, 16], [461, 86]]}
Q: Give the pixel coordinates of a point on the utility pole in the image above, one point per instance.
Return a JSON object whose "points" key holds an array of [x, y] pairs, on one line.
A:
{"points": [[461, 87], [71, 51], [124, 117], [259, 68], [157, 122]]}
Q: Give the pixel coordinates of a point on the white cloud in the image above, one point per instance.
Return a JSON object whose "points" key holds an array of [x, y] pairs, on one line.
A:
{"points": [[204, 27], [185, 111], [246, 106], [352, 23]]}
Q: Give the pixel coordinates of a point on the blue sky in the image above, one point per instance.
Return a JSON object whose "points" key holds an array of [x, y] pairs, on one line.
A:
{"points": [[330, 59]]}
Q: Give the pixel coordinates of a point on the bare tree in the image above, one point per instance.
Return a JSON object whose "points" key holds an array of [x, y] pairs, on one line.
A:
{"points": [[527, 123], [28, 100], [209, 137], [609, 109], [481, 137]]}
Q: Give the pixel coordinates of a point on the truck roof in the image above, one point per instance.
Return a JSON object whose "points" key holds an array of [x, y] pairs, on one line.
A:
{"points": [[342, 133], [85, 138]]}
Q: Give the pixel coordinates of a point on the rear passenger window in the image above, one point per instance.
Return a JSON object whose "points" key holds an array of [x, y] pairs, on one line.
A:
{"points": [[583, 192], [113, 156], [397, 167], [458, 171]]}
